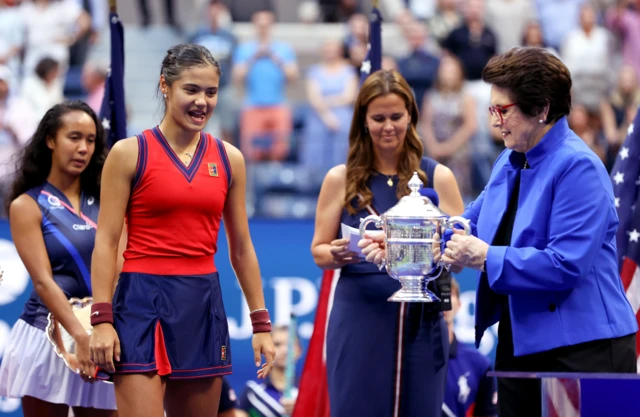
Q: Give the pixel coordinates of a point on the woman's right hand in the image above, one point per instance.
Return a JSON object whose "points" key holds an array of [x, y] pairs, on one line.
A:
{"points": [[105, 346], [341, 254], [373, 247]]}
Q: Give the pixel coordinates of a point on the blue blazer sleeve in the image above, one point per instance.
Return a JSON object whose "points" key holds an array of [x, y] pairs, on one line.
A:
{"points": [[580, 216]]}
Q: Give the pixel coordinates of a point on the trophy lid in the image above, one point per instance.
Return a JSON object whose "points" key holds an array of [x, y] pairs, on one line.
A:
{"points": [[415, 205]]}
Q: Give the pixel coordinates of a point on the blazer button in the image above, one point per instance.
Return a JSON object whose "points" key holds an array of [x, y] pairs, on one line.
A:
{"points": [[552, 307]]}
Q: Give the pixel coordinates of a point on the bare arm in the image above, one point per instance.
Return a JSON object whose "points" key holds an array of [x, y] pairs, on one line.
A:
{"points": [[117, 175], [241, 251], [26, 231], [444, 182], [328, 212], [317, 102]]}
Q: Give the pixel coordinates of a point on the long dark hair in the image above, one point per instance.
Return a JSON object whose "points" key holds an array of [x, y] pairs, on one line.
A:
{"points": [[360, 160], [34, 163]]}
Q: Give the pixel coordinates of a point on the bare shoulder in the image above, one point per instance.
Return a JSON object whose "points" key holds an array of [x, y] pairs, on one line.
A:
{"points": [[23, 208], [336, 177], [233, 153], [124, 155], [442, 175]]}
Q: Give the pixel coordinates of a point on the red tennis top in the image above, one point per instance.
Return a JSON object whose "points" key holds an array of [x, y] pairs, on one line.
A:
{"points": [[174, 210]]}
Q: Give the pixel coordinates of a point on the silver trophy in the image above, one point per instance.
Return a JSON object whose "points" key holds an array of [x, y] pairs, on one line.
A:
{"points": [[409, 227], [63, 343]]}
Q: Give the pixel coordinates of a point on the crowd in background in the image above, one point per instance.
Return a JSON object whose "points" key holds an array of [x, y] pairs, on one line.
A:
{"points": [[44, 45]]}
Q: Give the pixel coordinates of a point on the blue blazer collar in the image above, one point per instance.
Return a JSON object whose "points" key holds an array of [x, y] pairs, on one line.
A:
{"points": [[550, 141]]}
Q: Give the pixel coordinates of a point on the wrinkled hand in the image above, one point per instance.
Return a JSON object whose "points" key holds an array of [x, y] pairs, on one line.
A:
{"points": [[465, 251], [437, 255], [81, 361], [263, 345], [105, 346], [288, 404], [373, 247], [341, 254]]}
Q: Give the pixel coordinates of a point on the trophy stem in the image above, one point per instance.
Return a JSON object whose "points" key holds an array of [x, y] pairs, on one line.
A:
{"points": [[414, 290]]}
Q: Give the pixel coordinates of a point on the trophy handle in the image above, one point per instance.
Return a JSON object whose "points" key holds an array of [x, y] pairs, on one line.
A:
{"points": [[363, 229], [452, 221], [364, 222], [449, 224]]}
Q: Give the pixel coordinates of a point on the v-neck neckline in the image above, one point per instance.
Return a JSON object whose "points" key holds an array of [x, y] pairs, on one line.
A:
{"points": [[64, 197], [187, 170]]}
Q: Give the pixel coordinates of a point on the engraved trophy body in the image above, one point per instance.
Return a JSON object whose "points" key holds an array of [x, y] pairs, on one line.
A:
{"points": [[409, 228]]}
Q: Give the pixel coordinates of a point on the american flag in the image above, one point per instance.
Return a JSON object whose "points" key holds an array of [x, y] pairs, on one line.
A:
{"points": [[113, 114], [626, 185], [313, 394]]}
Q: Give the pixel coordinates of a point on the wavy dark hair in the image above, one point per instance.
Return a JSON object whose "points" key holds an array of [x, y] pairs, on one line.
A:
{"points": [[34, 162], [360, 161]]}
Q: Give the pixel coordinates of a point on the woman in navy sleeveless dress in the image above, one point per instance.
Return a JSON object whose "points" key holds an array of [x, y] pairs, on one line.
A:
{"points": [[53, 210], [383, 358]]}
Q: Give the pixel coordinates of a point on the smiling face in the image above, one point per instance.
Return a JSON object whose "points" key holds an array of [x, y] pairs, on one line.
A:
{"points": [[74, 143], [192, 97], [519, 131], [387, 119]]}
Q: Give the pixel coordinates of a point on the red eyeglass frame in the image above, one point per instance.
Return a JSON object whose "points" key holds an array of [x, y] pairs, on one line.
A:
{"points": [[498, 110]]}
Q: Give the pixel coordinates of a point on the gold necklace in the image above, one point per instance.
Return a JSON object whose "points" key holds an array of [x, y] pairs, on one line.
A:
{"points": [[390, 181]]}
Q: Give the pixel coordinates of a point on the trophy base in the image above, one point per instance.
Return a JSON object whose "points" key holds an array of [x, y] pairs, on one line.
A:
{"points": [[414, 290]]}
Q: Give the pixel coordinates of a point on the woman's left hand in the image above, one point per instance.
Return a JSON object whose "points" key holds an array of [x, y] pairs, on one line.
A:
{"points": [[465, 251], [263, 345]]}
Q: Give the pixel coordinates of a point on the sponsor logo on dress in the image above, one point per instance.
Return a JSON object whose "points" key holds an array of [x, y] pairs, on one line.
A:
{"points": [[223, 356], [213, 170]]}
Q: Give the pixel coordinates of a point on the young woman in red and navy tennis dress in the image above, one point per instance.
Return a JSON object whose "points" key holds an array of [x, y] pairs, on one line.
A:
{"points": [[164, 332]]}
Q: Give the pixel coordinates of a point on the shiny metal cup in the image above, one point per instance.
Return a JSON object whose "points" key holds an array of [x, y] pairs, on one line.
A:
{"points": [[409, 228]]}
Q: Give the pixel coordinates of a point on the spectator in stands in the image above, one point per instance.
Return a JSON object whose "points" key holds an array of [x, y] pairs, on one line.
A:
{"points": [[43, 89], [586, 51], [470, 391], [169, 10], [17, 124], [420, 66], [624, 20], [581, 121], [51, 27], [331, 89], [558, 19], [267, 399], [94, 76], [97, 11], [446, 18], [449, 122], [532, 36], [264, 67], [508, 20], [11, 38], [355, 42], [619, 109], [221, 42], [474, 44]]}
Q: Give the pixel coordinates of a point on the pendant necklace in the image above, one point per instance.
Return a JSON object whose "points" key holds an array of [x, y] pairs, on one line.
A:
{"points": [[390, 180]]}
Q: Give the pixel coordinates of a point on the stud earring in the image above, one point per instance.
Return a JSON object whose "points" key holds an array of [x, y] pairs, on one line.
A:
{"points": [[366, 130], [541, 121], [164, 95]]}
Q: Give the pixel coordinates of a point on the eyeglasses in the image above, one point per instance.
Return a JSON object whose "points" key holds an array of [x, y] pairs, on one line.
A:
{"points": [[500, 110]]}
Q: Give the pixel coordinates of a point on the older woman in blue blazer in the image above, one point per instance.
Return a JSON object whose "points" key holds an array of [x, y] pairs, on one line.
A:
{"points": [[544, 239]]}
